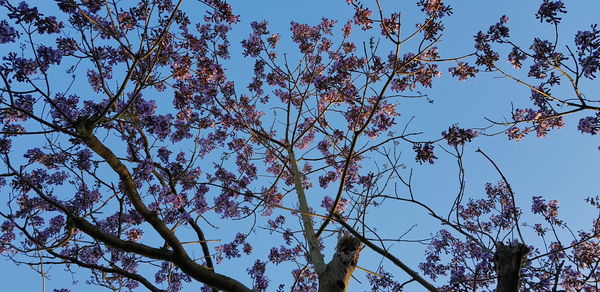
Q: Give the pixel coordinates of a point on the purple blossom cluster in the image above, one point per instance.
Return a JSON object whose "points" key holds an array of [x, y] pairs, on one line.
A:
{"points": [[327, 204], [85, 198], [588, 51], [486, 56], [499, 31], [134, 234], [465, 257], [257, 273], [7, 33], [383, 281], [306, 280], [362, 17], [463, 71], [549, 11], [516, 57], [435, 10], [548, 210], [25, 14], [424, 153], [254, 45], [590, 125], [7, 235], [172, 276], [456, 136], [383, 121], [470, 264], [309, 37], [231, 250], [418, 72], [541, 122], [284, 254]]}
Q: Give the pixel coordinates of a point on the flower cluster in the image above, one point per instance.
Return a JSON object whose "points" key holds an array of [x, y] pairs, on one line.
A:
{"points": [[541, 121], [499, 31], [549, 11], [362, 16], [383, 281], [516, 57], [435, 10], [549, 210], [485, 55], [257, 273], [231, 250], [588, 51], [30, 15], [463, 71], [590, 125], [7, 33], [424, 153], [456, 136], [327, 204], [134, 234]]}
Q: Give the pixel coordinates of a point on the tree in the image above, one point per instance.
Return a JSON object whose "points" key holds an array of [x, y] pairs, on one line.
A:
{"points": [[126, 167]]}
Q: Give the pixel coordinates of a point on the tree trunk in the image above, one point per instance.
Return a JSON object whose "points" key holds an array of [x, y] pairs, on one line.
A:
{"points": [[508, 260], [339, 270]]}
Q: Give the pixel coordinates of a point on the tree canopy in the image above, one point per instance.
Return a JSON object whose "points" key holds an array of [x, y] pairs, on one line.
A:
{"points": [[146, 145]]}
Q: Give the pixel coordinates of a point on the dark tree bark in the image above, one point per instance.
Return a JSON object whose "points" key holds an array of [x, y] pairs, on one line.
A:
{"points": [[508, 260]]}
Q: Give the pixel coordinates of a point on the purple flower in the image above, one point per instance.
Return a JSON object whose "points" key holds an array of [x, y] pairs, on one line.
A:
{"points": [[86, 198], [23, 13], [463, 71], [435, 8], [549, 11], [327, 178], [22, 67], [47, 56], [67, 6], [134, 234], [93, 5], [548, 210], [499, 30], [588, 50], [305, 36], [590, 125], [588, 40], [347, 29], [540, 120], [259, 281], [542, 49], [48, 25], [327, 203], [457, 136], [7, 33], [231, 249], [362, 16], [515, 57], [83, 159], [253, 45], [383, 281], [163, 154], [424, 153]]}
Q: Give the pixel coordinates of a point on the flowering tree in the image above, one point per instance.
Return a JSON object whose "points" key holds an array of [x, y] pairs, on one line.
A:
{"points": [[137, 139]]}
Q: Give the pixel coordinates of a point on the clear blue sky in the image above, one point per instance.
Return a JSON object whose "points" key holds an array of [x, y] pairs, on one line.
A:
{"points": [[564, 166]]}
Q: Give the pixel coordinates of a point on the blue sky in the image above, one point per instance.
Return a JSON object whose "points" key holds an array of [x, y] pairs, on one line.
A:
{"points": [[563, 166]]}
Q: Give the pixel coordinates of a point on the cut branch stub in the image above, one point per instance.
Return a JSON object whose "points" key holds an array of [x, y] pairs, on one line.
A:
{"points": [[339, 270], [508, 260]]}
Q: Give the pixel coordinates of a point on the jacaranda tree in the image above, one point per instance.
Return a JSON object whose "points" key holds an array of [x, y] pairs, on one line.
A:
{"points": [[126, 138]]}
